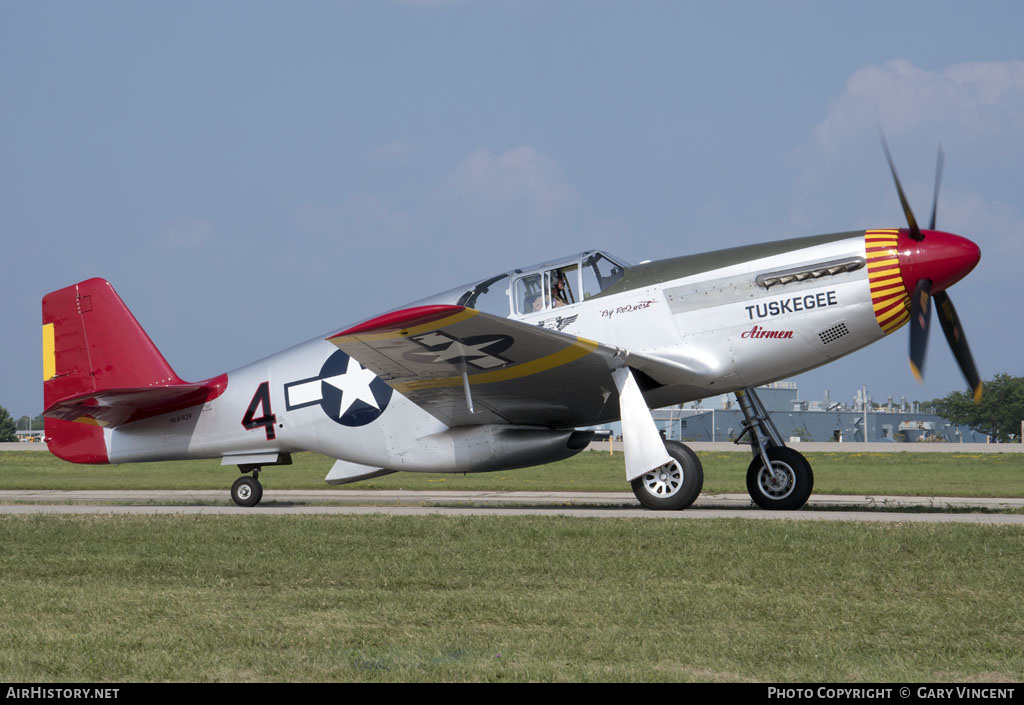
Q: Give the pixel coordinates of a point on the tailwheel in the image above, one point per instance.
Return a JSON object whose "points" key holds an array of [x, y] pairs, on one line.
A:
{"points": [[673, 486], [787, 486], [247, 491]]}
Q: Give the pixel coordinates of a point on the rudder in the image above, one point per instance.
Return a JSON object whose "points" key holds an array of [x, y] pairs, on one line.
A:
{"points": [[91, 343]]}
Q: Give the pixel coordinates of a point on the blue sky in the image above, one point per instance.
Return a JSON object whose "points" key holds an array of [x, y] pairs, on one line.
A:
{"points": [[252, 174]]}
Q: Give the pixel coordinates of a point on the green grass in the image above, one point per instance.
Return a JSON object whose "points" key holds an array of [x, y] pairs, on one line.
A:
{"points": [[382, 598], [927, 474], [499, 599]]}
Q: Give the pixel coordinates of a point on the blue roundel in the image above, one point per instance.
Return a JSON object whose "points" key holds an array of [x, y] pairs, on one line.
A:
{"points": [[351, 394]]}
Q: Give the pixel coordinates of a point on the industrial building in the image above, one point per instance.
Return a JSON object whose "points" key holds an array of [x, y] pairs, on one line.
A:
{"points": [[898, 421]]}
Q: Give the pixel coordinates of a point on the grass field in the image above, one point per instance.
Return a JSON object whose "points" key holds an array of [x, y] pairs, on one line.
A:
{"points": [[498, 599], [378, 598], [923, 474]]}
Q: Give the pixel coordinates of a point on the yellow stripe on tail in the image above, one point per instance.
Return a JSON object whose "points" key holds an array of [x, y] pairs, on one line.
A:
{"points": [[49, 354]]}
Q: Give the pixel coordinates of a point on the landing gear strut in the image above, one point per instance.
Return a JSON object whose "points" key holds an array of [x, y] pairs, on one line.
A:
{"points": [[778, 477]]}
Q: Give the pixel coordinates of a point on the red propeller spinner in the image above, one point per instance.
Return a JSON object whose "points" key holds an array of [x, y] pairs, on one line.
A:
{"points": [[943, 258]]}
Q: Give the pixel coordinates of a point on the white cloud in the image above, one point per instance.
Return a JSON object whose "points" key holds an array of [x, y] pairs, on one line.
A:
{"points": [[518, 177], [976, 97], [997, 227]]}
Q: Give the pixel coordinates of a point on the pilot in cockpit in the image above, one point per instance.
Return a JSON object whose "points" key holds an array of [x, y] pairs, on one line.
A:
{"points": [[559, 290]]}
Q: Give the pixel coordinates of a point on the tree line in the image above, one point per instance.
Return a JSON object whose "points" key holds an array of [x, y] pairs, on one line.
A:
{"points": [[9, 427], [998, 414]]}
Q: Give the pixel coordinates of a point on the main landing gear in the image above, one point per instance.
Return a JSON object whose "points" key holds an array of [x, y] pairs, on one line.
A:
{"points": [[778, 477], [674, 485]]}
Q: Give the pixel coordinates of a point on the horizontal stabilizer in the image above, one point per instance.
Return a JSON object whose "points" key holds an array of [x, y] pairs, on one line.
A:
{"points": [[113, 407]]}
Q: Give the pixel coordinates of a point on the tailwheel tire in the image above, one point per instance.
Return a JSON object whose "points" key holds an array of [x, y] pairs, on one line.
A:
{"points": [[789, 488], [247, 491], [673, 486]]}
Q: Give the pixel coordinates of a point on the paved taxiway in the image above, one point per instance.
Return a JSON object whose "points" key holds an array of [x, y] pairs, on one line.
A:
{"points": [[578, 504]]}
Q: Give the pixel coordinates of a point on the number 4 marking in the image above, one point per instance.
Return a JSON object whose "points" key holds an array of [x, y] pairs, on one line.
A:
{"points": [[267, 421]]}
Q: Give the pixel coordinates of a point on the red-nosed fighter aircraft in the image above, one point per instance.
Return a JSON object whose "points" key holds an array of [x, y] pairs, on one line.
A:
{"points": [[508, 371]]}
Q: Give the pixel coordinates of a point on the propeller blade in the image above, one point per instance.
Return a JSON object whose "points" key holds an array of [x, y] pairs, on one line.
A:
{"points": [[920, 320], [938, 180], [915, 232], [958, 342]]}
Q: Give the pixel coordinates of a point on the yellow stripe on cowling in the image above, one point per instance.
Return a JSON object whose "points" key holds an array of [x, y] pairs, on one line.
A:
{"points": [[888, 302], [895, 312], [885, 273], [881, 254], [49, 354], [886, 283], [879, 293], [897, 322], [877, 264], [580, 348], [885, 279], [413, 330]]}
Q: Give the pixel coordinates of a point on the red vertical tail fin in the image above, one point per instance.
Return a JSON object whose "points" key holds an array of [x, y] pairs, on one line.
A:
{"points": [[97, 344], [101, 369]]}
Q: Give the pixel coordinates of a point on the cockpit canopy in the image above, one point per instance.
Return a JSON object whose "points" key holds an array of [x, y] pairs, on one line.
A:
{"points": [[542, 287]]}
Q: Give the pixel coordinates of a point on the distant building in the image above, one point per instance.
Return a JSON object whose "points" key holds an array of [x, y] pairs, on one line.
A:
{"points": [[802, 420]]}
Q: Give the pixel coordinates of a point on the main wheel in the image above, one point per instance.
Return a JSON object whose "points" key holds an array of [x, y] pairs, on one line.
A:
{"points": [[790, 487], [247, 491], [673, 486]]}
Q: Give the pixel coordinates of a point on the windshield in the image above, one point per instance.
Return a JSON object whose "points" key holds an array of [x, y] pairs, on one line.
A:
{"points": [[529, 296], [599, 273]]}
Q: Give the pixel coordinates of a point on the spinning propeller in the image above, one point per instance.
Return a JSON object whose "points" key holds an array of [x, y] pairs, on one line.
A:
{"points": [[930, 262]]}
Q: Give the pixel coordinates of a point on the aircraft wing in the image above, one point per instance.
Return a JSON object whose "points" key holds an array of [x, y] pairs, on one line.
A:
{"points": [[467, 367]]}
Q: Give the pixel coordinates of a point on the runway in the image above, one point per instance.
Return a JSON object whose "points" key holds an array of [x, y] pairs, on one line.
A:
{"points": [[622, 505]]}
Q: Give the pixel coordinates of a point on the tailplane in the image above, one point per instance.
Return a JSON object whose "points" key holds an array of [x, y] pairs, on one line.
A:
{"points": [[101, 370]]}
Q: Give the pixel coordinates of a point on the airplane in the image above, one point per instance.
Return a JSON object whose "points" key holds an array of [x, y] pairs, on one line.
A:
{"points": [[515, 370]]}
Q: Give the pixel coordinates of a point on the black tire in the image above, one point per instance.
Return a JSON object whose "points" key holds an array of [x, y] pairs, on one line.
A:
{"points": [[247, 491], [675, 487], [793, 486]]}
